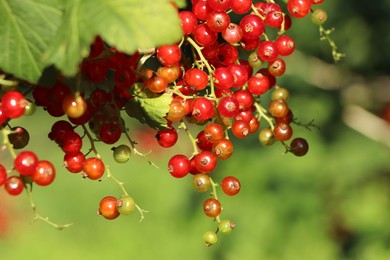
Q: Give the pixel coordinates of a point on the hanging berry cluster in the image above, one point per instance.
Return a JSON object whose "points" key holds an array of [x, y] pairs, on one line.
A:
{"points": [[231, 53]]}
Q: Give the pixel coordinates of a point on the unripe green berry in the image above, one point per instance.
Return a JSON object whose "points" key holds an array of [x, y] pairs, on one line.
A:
{"points": [[254, 60], [125, 205], [280, 93], [31, 107], [266, 137], [226, 226], [319, 16], [210, 238], [122, 153], [201, 182]]}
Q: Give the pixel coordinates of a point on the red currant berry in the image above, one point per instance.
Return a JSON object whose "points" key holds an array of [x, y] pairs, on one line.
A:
{"points": [[244, 98], [74, 106], [267, 51], [232, 34], [202, 142], [212, 207], [14, 104], [176, 111], [299, 146], [156, 84], [19, 138], [230, 185], [240, 75], [241, 6], [74, 162], [108, 208], [169, 55], [252, 26], [110, 133], [214, 132], [299, 8], [93, 168], [26, 162], [71, 143], [188, 22], [278, 108], [258, 84], [179, 166], [285, 45], [218, 21], [14, 185], [170, 74], [277, 67], [196, 78], [282, 132], [202, 108], [201, 10], [219, 5], [227, 55], [223, 149], [228, 106], [240, 128], [3, 175], [204, 36], [44, 174], [205, 161], [167, 137], [59, 129], [223, 78]]}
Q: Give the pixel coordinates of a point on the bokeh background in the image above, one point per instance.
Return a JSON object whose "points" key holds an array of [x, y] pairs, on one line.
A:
{"points": [[332, 204]]}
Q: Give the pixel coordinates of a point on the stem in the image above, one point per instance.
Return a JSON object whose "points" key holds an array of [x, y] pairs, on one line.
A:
{"points": [[109, 174], [7, 82], [91, 141], [182, 125], [325, 35], [37, 216], [7, 143], [120, 184], [257, 12], [205, 62], [214, 194], [306, 125], [141, 212], [135, 151], [261, 112]]}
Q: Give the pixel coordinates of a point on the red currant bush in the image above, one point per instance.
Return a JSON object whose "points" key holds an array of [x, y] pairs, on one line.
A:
{"points": [[208, 83]]}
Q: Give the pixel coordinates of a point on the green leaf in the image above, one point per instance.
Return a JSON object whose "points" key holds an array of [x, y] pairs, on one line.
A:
{"points": [[180, 3], [72, 41], [149, 108], [128, 25], [133, 24], [26, 29]]}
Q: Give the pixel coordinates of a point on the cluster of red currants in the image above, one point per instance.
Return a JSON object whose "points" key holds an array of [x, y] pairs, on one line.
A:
{"points": [[27, 168], [214, 78], [222, 92]]}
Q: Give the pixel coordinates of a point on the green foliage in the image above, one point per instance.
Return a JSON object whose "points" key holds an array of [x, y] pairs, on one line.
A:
{"points": [[149, 108], [37, 34], [26, 30]]}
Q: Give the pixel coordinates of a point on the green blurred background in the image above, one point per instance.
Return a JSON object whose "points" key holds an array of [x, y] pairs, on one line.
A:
{"points": [[334, 203]]}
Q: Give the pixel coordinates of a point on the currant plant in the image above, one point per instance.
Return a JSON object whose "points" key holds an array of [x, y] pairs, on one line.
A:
{"points": [[190, 78]]}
